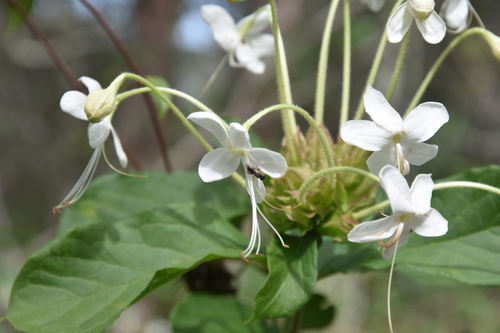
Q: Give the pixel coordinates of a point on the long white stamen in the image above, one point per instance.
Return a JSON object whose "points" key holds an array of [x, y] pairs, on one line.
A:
{"points": [[255, 225], [83, 182], [272, 227]]}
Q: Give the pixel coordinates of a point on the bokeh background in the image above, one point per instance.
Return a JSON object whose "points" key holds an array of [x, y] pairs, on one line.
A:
{"points": [[43, 150]]}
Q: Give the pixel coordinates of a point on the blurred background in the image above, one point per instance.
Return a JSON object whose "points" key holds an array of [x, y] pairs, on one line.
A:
{"points": [[43, 151]]}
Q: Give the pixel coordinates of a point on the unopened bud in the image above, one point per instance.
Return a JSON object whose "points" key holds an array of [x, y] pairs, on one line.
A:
{"points": [[100, 104], [421, 9]]}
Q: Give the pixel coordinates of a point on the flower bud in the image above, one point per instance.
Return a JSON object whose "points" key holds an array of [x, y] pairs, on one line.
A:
{"points": [[100, 104], [421, 9]]}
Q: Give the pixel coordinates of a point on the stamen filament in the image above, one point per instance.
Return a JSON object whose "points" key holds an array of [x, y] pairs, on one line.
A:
{"points": [[394, 239]]}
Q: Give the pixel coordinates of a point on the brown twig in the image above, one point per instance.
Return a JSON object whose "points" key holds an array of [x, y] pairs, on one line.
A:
{"points": [[153, 113]]}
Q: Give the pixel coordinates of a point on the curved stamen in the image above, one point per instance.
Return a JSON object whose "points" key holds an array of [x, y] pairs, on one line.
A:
{"points": [[394, 237], [403, 165]]}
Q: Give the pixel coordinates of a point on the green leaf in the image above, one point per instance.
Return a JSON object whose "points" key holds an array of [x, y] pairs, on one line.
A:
{"points": [[84, 279], [115, 196], [292, 277], [162, 107], [14, 20], [317, 313], [202, 313]]}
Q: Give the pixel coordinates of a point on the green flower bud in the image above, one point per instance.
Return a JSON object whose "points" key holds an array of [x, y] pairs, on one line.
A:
{"points": [[100, 104], [421, 9]]}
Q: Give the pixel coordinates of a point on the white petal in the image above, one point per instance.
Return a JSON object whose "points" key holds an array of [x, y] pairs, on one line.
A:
{"points": [[90, 83], [270, 162], [238, 137], [213, 124], [417, 153], [122, 157], [381, 158], [388, 252], [247, 57], [256, 67], [433, 29], [424, 121], [258, 187], [433, 225], [98, 132], [218, 164], [365, 134], [373, 230], [222, 25], [397, 190], [262, 45], [382, 112], [375, 5], [72, 102], [421, 193], [456, 14], [259, 21], [398, 24]]}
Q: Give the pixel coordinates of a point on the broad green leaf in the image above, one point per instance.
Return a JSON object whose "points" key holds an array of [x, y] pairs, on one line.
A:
{"points": [[115, 196], [203, 313], [160, 104], [292, 277], [469, 253], [84, 279], [317, 313], [14, 20]]}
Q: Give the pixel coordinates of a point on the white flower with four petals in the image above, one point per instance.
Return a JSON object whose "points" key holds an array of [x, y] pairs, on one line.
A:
{"points": [[428, 21], [412, 212], [73, 102], [456, 15], [244, 40], [394, 141], [222, 162]]}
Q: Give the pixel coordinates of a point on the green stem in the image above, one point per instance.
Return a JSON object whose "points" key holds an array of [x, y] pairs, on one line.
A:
{"points": [[370, 210], [389, 284], [375, 65], [475, 185], [397, 67], [346, 75], [284, 89], [323, 64], [213, 77], [323, 140], [323, 173], [439, 61]]}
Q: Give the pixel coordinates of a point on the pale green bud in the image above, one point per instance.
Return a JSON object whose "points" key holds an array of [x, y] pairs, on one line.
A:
{"points": [[421, 9], [101, 103]]}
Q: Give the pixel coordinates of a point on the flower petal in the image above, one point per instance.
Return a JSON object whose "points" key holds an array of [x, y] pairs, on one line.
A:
{"points": [[73, 102], [258, 187], [417, 153], [122, 157], [433, 225], [98, 132], [262, 45], [238, 137], [398, 24], [421, 193], [270, 162], [374, 230], [381, 112], [90, 83], [375, 5], [213, 124], [456, 14], [365, 134], [259, 21], [222, 25], [379, 159], [389, 252], [247, 57], [397, 190], [433, 29], [424, 121], [218, 164]]}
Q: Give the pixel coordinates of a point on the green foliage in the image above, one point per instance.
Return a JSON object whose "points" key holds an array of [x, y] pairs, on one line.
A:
{"points": [[292, 277], [317, 313], [469, 253], [125, 245], [14, 20], [202, 313]]}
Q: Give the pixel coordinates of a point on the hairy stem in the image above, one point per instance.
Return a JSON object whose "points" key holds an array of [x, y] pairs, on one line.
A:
{"points": [[346, 75], [397, 67]]}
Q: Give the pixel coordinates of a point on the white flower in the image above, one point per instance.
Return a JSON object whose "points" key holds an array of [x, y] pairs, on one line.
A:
{"points": [[73, 102], [428, 21], [456, 14], [394, 141], [236, 148], [374, 5], [412, 212], [244, 41]]}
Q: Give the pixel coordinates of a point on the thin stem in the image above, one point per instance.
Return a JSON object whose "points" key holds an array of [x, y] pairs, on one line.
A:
{"points": [[389, 318], [370, 210], [479, 186], [284, 90], [56, 58], [439, 61], [323, 64], [476, 16], [304, 188], [324, 142], [153, 112], [375, 65], [213, 77], [398, 66], [346, 74]]}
